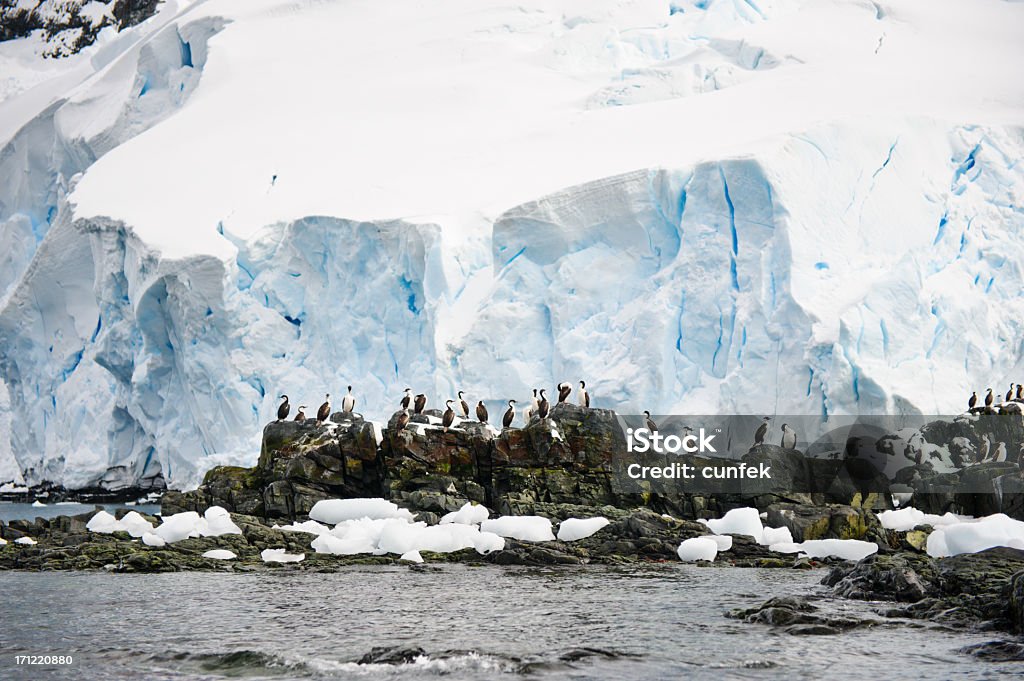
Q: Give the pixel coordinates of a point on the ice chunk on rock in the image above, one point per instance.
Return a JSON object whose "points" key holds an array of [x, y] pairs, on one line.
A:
{"points": [[469, 514], [738, 521], [134, 524], [150, 539], [333, 511], [38, 504], [984, 533], [776, 535], [28, 541], [310, 526], [102, 522], [523, 527], [572, 529], [179, 526], [218, 522], [412, 557], [698, 548], [220, 554], [847, 549], [723, 541], [280, 556], [908, 518]]}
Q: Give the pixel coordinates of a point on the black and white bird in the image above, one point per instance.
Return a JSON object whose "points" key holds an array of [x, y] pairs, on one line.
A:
{"points": [[788, 437], [762, 431], [324, 411], [407, 398], [465, 406], [506, 420], [1009, 393], [1019, 396], [649, 422], [1000, 452], [283, 409], [989, 398], [348, 403], [532, 409], [563, 392], [449, 415], [301, 416], [584, 396], [984, 449], [543, 407], [973, 401], [403, 419], [419, 403], [481, 412]]}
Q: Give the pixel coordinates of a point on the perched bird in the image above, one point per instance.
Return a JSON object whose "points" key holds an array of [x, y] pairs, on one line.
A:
{"points": [[449, 415], [563, 392], [1000, 452], [584, 396], [788, 437], [1009, 393], [649, 422], [348, 403], [407, 399], [542, 406], [989, 398], [324, 411], [532, 409], [762, 431], [282, 411], [984, 449], [465, 406], [1019, 397], [301, 416], [506, 420], [419, 403], [973, 401], [481, 412], [403, 419]]}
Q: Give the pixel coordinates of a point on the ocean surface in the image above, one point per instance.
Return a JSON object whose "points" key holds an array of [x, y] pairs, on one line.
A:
{"points": [[10, 510], [650, 622]]}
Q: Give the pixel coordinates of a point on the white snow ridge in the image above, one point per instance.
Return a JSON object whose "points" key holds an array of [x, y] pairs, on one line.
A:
{"points": [[818, 203]]}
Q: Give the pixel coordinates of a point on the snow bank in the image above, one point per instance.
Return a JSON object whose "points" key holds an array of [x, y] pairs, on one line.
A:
{"points": [[469, 514], [972, 536], [334, 511], [738, 521], [279, 556], [524, 528], [698, 548], [572, 529], [220, 554]]}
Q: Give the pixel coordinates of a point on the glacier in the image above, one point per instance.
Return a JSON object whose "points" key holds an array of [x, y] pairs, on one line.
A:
{"points": [[694, 206]]}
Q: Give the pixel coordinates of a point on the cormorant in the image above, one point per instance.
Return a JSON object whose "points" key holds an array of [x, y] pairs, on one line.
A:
{"points": [[506, 420], [407, 399], [649, 422], [449, 415], [584, 396], [481, 412], [465, 406], [348, 403], [419, 403], [324, 411], [563, 392], [762, 431], [282, 411], [301, 416], [542, 406]]}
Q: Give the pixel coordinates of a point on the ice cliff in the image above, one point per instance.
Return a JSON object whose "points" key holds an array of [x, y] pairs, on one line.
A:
{"points": [[778, 207]]}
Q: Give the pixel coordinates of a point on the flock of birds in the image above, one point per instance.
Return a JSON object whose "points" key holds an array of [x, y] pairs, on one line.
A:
{"points": [[540, 406], [1010, 405]]}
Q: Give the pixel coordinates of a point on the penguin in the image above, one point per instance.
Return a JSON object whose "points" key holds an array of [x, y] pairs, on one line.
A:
{"points": [[788, 437], [1000, 452], [563, 392], [449, 415], [985, 446], [406, 399], [481, 412], [348, 403], [301, 416], [584, 396], [972, 401], [465, 406], [649, 422], [1009, 393], [989, 398], [421, 401], [324, 411], [403, 419], [762, 431], [542, 406], [506, 420], [282, 411]]}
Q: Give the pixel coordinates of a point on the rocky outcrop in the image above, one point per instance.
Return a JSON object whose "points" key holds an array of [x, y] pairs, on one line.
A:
{"points": [[64, 26]]}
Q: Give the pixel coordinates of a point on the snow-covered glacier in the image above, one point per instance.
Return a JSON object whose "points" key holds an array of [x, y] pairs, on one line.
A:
{"points": [[805, 207]]}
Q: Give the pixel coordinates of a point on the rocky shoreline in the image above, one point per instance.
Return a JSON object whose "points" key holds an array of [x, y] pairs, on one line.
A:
{"points": [[558, 468]]}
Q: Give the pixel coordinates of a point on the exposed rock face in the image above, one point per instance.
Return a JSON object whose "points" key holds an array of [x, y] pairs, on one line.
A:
{"points": [[65, 27]]}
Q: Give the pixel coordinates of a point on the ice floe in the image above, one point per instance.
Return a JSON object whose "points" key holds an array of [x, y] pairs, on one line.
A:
{"points": [[524, 527], [572, 529], [698, 548]]}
